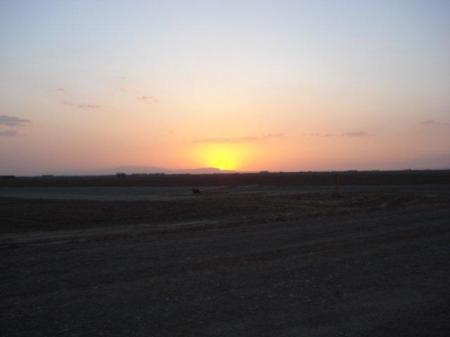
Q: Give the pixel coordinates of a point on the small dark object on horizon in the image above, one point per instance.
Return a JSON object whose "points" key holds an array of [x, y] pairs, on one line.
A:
{"points": [[120, 175], [196, 191]]}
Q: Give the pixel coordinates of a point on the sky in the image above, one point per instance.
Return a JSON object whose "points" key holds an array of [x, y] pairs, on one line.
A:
{"points": [[240, 85]]}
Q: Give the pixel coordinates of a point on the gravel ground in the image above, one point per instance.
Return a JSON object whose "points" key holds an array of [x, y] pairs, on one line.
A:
{"points": [[234, 263]]}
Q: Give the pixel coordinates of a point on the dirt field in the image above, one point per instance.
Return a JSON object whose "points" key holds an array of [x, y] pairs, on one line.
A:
{"points": [[233, 261]]}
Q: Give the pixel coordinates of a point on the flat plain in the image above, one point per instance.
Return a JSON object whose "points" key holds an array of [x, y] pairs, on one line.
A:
{"points": [[236, 260]]}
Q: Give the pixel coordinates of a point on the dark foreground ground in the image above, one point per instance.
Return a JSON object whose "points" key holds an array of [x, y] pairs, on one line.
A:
{"points": [[241, 261]]}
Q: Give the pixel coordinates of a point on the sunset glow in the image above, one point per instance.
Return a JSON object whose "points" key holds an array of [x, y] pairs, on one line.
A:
{"points": [[236, 85], [222, 156]]}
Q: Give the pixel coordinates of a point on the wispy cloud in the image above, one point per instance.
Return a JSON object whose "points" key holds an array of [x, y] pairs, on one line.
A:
{"points": [[8, 133], [81, 105], [244, 139], [147, 99], [433, 122], [12, 121], [318, 134], [355, 134], [358, 134]]}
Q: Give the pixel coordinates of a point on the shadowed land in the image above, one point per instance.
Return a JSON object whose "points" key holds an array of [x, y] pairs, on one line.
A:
{"points": [[232, 261], [405, 177]]}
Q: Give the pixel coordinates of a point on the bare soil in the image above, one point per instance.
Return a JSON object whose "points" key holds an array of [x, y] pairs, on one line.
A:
{"points": [[247, 261]]}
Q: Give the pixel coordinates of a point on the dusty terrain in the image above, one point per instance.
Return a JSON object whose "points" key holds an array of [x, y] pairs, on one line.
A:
{"points": [[233, 261]]}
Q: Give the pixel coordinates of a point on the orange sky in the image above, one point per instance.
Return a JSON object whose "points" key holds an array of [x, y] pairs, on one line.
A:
{"points": [[240, 86]]}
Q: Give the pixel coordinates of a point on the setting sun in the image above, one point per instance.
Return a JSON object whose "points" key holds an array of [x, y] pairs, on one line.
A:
{"points": [[223, 159], [222, 156]]}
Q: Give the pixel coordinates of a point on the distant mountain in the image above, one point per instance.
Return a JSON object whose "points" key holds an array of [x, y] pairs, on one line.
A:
{"points": [[139, 170]]}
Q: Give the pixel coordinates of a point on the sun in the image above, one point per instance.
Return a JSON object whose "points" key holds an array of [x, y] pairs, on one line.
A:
{"points": [[223, 159], [222, 156]]}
